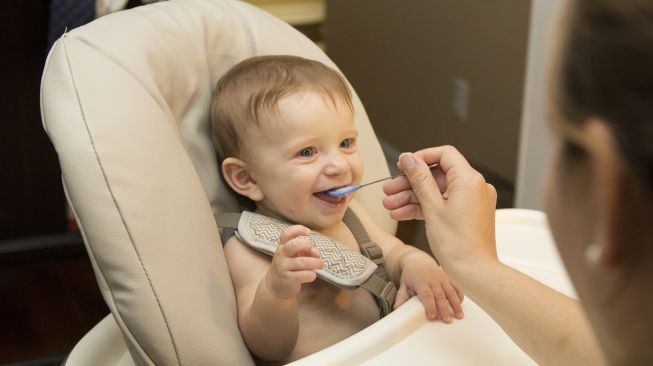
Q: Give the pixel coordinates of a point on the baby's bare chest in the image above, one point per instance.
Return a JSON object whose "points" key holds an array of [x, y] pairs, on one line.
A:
{"points": [[328, 314], [343, 312], [323, 294]]}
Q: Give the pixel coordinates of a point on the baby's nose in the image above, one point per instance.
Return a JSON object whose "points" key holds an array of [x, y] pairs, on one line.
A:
{"points": [[336, 165]]}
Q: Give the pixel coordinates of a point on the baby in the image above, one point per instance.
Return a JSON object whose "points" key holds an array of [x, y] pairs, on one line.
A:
{"points": [[283, 127]]}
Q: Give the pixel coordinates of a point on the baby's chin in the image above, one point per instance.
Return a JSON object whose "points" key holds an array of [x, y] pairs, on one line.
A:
{"points": [[327, 221], [313, 220], [317, 222]]}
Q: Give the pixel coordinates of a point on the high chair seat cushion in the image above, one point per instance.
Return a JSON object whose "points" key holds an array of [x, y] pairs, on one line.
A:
{"points": [[125, 101]]}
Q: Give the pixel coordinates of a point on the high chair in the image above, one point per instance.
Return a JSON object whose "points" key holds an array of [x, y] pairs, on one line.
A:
{"points": [[125, 101]]}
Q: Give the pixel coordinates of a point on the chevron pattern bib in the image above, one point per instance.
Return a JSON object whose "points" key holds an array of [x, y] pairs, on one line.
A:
{"points": [[343, 267]]}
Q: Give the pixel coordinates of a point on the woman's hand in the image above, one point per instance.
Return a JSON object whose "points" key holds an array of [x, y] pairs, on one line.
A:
{"points": [[454, 200], [458, 207]]}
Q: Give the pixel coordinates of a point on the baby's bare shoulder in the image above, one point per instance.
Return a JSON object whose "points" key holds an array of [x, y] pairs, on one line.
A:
{"points": [[245, 264], [236, 248]]}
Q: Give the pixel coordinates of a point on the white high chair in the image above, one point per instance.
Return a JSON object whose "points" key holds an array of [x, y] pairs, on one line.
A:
{"points": [[125, 101]]}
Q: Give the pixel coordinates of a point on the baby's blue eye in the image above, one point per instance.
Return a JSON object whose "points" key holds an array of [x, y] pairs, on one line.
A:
{"points": [[346, 143], [307, 152]]}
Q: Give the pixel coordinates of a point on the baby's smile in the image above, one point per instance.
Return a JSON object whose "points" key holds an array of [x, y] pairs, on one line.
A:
{"points": [[330, 200]]}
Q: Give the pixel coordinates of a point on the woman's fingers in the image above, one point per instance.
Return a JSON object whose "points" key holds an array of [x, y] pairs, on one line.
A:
{"points": [[422, 182], [402, 184], [492, 190], [403, 206], [399, 200], [440, 179], [407, 212], [448, 158], [396, 185]]}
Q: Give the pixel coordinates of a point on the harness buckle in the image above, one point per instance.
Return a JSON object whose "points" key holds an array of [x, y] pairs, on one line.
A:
{"points": [[373, 252]]}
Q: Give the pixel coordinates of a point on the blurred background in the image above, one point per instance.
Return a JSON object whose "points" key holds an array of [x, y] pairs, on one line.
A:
{"points": [[463, 72]]}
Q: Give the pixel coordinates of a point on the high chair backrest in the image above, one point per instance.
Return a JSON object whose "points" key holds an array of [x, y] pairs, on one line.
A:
{"points": [[125, 101]]}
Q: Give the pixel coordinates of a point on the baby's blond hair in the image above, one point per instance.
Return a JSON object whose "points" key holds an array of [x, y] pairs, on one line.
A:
{"points": [[252, 89]]}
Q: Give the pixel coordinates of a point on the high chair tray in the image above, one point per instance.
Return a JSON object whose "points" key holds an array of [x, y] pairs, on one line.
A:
{"points": [[407, 337]]}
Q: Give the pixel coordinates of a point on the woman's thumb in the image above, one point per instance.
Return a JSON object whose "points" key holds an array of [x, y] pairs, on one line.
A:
{"points": [[421, 181]]}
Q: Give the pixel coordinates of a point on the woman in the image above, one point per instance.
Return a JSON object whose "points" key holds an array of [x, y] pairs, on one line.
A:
{"points": [[599, 202]]}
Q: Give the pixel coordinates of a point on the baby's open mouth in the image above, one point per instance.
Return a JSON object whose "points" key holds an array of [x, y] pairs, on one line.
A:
{"points": [[324, 196]]}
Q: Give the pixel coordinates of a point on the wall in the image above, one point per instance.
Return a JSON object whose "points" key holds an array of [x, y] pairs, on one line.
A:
{"points": [[403, 57], [535, 138]]}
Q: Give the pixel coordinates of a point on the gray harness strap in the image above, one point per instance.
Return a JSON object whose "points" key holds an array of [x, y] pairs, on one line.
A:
{"points": [[227, 220], [377, 283]]}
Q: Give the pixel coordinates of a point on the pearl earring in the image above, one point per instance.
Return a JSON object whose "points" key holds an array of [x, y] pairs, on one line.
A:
{"points": [[594, 254]]}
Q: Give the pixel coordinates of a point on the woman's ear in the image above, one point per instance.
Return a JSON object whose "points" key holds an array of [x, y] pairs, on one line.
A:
{"points": [[607, 193], [239, 177]]}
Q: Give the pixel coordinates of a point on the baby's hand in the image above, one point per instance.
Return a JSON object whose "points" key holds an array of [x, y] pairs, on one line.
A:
{"points": [[293, 263], [421, 276]]}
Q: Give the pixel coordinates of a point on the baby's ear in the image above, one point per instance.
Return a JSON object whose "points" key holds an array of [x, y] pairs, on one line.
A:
{"points": [[236, 173]]}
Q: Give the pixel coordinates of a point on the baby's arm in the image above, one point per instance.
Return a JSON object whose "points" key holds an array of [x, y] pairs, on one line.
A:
{"points": [[266, 293], [415, 272]]}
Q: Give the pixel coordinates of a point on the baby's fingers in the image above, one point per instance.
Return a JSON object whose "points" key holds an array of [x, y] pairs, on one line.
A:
{"points": [[299, 246], [425, 294], [461, 295], [293, 232], [402, 296], [442, 304], [454, 299], [305, 264], [304, 276]]}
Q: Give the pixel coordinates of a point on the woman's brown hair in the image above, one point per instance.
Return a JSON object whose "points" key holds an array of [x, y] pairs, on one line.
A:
{"points": [[606, 71]]}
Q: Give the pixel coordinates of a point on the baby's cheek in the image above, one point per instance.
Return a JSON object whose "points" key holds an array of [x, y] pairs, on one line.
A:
{"points": [[357, 168]]}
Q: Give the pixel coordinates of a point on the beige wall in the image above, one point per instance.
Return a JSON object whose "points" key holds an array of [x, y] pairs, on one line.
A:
{"points": [[535, 149], [403, 56]]}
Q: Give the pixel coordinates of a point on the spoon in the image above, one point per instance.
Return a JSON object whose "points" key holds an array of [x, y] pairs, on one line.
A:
{"points": [[346, 191]]}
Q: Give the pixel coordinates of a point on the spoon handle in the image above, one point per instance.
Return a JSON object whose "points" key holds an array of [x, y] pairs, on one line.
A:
{"points": [[393, 176]]}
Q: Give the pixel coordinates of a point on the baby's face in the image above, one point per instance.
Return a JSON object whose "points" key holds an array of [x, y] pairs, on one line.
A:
{"points": [[311, 147]]}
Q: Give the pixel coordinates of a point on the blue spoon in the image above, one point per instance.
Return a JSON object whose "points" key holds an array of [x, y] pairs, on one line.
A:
{"points": [[346, 191]]}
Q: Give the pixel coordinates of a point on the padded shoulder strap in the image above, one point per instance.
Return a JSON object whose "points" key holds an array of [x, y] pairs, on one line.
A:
{"points": [[376, 281]]}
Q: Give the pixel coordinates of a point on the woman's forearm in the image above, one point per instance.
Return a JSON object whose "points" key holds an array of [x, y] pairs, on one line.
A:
{"points": [[549, 326]]}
